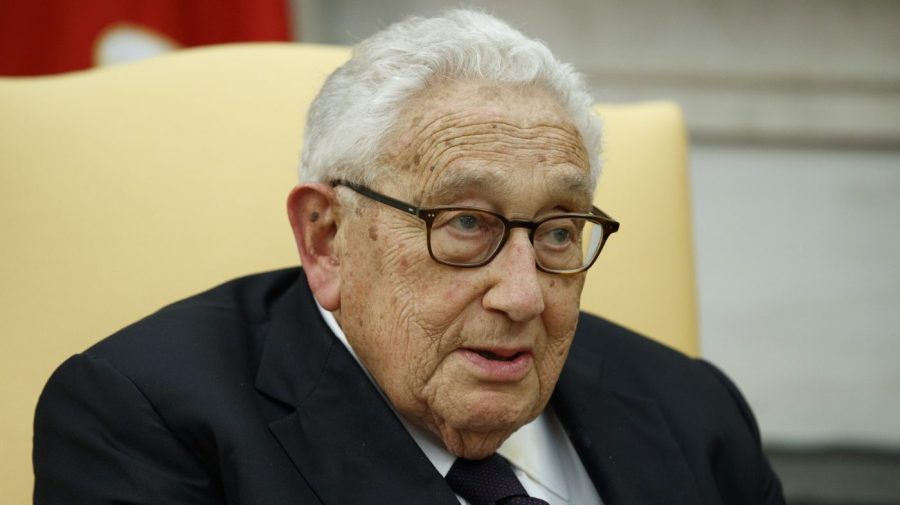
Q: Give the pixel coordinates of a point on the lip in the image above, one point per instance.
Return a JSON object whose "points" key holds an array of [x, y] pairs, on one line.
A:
{"points": [[498, 370]]}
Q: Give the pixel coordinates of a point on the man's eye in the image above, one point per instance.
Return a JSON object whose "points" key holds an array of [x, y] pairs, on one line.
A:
{"points": [[560, 236], [466, 222]]}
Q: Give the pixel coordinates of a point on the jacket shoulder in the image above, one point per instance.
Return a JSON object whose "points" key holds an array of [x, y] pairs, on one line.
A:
{"points": [[633, 363], [704, 410], [213, 324]]}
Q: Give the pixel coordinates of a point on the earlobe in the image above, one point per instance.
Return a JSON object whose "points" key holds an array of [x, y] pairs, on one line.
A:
{"points": [[313, 212]]}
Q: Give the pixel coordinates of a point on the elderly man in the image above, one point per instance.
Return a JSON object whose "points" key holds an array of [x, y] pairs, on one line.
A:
{"points": [[425, 353]]}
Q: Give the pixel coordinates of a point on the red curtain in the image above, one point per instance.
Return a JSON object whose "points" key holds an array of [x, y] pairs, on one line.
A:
{"points": [[51, 36]]}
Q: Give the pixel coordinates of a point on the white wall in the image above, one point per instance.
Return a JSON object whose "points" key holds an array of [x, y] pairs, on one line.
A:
{"points": [[798, 255]]}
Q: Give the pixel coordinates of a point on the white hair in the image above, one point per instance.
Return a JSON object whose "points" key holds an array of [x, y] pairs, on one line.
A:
{"points": [[360, 102]]}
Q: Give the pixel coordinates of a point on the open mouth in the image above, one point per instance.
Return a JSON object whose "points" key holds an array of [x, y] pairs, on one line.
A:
{"points": [[496, 357], [499, 365]]}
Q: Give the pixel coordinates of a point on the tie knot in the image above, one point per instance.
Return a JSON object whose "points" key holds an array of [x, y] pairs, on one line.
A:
{"points": [[488, 481]]}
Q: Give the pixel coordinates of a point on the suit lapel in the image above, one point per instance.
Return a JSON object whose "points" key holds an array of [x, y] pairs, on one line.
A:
{"points": [[350, 448], [623, 440], [341, 436]]}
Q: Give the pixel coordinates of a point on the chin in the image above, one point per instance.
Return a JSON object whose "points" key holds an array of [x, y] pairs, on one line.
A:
{"points": [[476, 450], [476, 429], [474, 444], [493, 410]]}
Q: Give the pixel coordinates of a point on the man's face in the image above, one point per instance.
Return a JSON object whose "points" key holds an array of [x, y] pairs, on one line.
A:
{"points": [[471, 354]]}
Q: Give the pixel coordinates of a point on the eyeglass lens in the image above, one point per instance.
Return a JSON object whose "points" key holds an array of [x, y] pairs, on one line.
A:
{"points": [[470, 237]]}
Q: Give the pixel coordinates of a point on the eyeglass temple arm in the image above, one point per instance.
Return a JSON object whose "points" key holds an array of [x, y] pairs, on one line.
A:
{"points": [[613, 224], [378, 197]]}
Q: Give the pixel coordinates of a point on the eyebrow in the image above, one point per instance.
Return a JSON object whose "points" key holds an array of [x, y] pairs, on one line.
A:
{"points": [[574, 185]]}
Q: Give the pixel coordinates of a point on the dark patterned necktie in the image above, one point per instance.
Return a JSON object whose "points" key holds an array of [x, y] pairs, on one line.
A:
{"points": [[489, 481]]}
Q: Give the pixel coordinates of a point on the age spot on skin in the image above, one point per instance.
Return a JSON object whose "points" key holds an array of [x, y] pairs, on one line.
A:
{"points": [[314, 217], [373, 233]]}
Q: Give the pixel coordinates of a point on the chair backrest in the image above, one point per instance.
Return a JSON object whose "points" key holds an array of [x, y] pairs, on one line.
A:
{"points": [[123, 189]]}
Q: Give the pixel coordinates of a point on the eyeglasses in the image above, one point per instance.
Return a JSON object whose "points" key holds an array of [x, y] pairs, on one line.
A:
{"points": [[467, 237]]}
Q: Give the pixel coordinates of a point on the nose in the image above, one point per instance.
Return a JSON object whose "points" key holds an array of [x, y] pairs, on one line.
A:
{"points": [[516, 289]]}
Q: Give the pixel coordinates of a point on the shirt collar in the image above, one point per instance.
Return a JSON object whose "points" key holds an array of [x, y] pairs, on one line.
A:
{"points": [[534, 448]]}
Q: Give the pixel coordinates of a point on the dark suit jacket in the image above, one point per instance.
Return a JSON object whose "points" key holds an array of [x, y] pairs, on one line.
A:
{"points": [[243, 395]]}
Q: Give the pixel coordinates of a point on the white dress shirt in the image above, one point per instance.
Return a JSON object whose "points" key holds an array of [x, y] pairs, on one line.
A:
{"points": [[540, 453]]}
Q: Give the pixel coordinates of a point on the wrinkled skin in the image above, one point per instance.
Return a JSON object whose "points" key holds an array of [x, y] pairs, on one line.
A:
{"points": [[510, 149]]}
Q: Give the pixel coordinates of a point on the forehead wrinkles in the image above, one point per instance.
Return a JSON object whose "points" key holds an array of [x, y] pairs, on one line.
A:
{"points": [[454, 136], [569, 184], [474, 128]]}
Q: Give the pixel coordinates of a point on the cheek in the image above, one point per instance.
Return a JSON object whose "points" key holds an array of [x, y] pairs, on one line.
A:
{"points": [[560, 318], [564, 292], [442, 301], [458, 289], [414, 308]]}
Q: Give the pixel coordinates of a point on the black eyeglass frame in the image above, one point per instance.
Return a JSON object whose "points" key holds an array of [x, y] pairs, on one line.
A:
{"points": [[429, 214]]}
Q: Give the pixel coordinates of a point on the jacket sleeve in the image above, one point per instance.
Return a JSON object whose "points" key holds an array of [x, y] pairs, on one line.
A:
{"points": [[764, 482], [99, 440]]}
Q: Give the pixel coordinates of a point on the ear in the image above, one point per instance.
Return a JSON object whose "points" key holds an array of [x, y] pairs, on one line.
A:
{"points": [[313, 212]]}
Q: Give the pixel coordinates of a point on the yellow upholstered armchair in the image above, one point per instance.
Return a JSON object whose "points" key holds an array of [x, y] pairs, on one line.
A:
{"points": [[123, 189]]}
